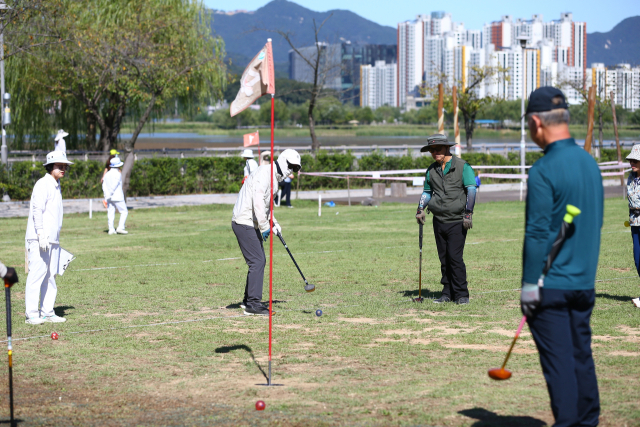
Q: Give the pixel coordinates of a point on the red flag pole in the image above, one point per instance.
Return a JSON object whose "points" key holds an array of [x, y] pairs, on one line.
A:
{"points": [[271, 245]]}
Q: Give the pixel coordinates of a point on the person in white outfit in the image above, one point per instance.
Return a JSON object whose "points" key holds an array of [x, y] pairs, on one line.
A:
{"points": [[112, 188], [250, 224], [250, 164], [42, 242], [61, 145]]}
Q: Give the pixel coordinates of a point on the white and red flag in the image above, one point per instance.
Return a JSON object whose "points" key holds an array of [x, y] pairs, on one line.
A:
{"points": [[251, 139], [258, 79]]}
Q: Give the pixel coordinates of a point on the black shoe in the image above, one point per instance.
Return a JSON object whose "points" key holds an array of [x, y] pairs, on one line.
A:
{"points": [[442, 299], [243, 304], [462, 301], [262, 311]]}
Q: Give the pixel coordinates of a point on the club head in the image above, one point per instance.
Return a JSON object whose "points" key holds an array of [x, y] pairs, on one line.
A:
{"points": [[417, 299], [499, 374], [309, 287], [626, 224]]}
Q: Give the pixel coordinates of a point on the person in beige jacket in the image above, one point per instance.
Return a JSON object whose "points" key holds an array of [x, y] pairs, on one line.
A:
{"points": [[250, 223]]}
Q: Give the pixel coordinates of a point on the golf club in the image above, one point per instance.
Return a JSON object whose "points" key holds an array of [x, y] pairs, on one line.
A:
{"points": [[7, 294], [572, 212], [307, 286], [419, 299]]}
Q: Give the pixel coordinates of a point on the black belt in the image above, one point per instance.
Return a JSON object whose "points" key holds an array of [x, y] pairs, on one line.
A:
{"points": [[633, 211]]}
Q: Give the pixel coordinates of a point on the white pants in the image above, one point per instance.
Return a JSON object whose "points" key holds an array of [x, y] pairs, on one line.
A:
{"points": [[41, 290], [111, 213]]}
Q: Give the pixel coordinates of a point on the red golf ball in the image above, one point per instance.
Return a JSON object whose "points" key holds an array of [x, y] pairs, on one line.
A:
{"points": [[260, 405], [54, 336]]}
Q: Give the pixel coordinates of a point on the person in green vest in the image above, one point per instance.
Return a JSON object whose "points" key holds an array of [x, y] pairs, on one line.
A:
{"points": [[449, 194]]}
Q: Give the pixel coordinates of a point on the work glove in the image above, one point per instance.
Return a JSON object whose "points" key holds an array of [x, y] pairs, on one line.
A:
{"points": [[529, 298], [467, 221], [43, 241], [421, 216], [277, 229], [265, 235], [11, 277]]}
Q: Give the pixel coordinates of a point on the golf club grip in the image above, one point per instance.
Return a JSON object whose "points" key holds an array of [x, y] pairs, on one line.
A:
{"points": [[7, 294], [555, 248], [420, 235]]}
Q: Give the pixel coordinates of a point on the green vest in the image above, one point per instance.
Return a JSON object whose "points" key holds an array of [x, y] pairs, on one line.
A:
{"points": [[449, 198]]}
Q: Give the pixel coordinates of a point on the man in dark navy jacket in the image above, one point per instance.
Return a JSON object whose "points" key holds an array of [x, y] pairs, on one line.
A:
{"points": [[559, 310]]}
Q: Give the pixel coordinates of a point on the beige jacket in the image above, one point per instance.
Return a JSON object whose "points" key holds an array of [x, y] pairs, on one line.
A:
{"points": [[252, 206]]}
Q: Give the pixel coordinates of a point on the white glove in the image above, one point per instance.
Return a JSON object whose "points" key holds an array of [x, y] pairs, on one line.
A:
{"points": [[277, 229], [43, 241]]}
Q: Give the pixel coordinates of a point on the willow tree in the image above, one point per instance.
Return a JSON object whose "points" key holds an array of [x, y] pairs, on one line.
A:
{"points": [[128, 57]]}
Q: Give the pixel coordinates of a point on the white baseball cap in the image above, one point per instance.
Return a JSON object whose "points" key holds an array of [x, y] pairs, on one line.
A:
{"points": [[57, 157], [247, 153]]}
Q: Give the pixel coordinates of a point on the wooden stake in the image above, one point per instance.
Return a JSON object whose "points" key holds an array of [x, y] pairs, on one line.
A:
{"points": [[592, 103], [615, 130], [440, 107], [456, 128]]}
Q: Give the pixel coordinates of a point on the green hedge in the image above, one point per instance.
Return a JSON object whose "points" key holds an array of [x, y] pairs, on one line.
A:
{"points": [[165, 176]]}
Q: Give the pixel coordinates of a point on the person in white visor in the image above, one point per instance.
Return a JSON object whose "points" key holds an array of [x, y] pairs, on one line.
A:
{"points": [[42, 242], [250, 223], [61, 145], [113, 194]]}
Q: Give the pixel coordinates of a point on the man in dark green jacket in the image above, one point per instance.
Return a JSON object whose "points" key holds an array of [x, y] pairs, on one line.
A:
{"points": [[558, 308], [449, 194]]}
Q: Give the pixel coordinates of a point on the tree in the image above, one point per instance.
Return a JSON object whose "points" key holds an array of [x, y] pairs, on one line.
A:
{"points": [[129, 57], [318, 60], [469, 103]]}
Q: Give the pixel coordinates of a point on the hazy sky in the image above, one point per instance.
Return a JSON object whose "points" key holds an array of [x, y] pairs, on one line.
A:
{"points": [[601, 15]]}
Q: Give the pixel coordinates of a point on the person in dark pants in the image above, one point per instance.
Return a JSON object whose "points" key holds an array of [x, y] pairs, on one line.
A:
{"points": [[449, 194], [633, 195], [251, 224], [558, 309], [286, 190]]}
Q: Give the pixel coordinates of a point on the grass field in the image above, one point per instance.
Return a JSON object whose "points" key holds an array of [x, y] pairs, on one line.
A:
{"points": [[373, 358], [513, 135]]}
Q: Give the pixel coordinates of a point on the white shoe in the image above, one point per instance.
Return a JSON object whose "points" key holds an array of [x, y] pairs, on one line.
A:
{"points": [[54, 319], [112, 231], [636, 302], [121, 231], [34, 321]]}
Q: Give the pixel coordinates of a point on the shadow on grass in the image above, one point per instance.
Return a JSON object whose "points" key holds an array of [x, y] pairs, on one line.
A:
{"points": [[426, 293], [16, 421], [62, 310], [487, 418], [229, 348], [614, 297]]}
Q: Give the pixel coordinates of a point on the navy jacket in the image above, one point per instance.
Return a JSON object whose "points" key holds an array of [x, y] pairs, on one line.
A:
{"points": [[566, 174]]}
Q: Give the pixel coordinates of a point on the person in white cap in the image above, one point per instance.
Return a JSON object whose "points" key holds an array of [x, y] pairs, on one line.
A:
{"points": [[250, 224], [250, 165], [43, 242], [633, 195], [113, 194], [60, 144]]}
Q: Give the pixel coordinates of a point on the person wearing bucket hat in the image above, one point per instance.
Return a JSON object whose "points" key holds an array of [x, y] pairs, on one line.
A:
{"points": [[250, 165], [633, 195], [449, 194], [558, 309], [42, 241], [114, 196]]}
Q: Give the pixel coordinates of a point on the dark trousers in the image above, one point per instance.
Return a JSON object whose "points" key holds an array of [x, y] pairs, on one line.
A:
{"points": [[250, 241], [635, 235], [560, 328], [286, 193], [450, 238]]}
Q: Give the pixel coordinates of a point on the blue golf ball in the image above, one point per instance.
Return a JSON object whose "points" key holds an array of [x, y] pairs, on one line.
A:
{"points": [[318, 313]]}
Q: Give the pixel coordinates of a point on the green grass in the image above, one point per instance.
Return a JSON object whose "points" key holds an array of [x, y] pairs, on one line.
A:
{"points": [[202, 128], [373, 358]]}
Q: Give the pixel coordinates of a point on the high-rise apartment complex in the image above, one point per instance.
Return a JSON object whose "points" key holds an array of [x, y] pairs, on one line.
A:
{"points": [[434, 49], [378, 85]]}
